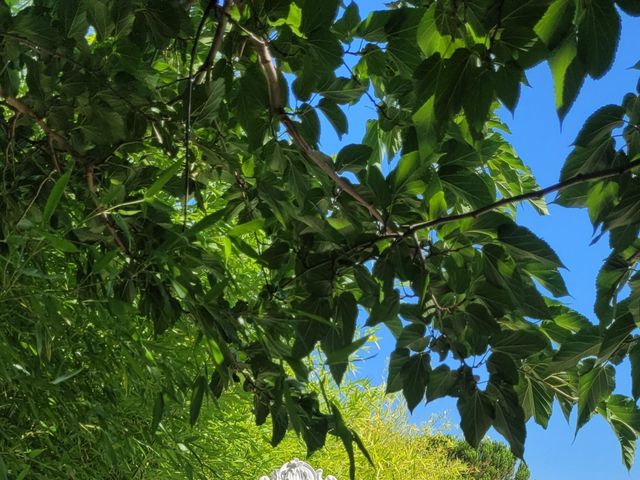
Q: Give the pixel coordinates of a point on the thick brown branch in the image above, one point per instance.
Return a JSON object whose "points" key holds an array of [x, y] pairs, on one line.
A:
{"points": [[57, 139], [277, 108], [63, 144], [218, 36], [576, 180]]}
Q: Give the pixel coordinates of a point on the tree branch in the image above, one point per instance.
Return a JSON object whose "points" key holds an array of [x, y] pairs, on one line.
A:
{"points": [[261, 47], [187, 102], [217, 38], [63, 144], [54, 136], [576, 180]]}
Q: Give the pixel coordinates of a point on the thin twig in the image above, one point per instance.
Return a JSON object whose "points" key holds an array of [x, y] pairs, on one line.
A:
{"points": [[89, 172], [187, 130]]}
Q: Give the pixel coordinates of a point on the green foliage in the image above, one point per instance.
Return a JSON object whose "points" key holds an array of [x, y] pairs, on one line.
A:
{"points": [[147, 191]]}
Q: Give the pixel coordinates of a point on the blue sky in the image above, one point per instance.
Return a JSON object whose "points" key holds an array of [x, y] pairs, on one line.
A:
{"points": [[594, 454]]}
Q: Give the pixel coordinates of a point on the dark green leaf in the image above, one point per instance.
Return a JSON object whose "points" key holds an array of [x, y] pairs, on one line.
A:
{"points": [[476, 416], [442, 382], [335, 115], [610, 278], [624, 417], [503, 367], [415, 375], [568, 76], [598, 35], [519, 343], [536, 399], [630, 7], [556, 23], [599, 125], [158, 411], [595, 385], [55, 196], [634, 359], [584, 344], [197, 396], [616, 335], [524, 246], [398, 359], [385, 311], [509, 418]]}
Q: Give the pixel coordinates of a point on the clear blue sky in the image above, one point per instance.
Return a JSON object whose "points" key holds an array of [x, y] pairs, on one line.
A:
{"points": [[537, 136]]}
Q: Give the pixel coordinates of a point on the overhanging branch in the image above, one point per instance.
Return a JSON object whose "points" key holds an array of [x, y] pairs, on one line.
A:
{"points": [[556, 187], [261, 47], [63, 144]]}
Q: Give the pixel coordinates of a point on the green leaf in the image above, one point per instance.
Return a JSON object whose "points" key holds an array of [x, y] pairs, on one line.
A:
{"points": [[208, 221], [415, 375], [568, 75], [610, 278], [469, 185], [519, 343], [349, 21], [585, 343], [317, 15], [477, 101], [99, 16], [162, 180], [594, 386], [431, 40], [476, 416], [598, 32], [507, 84], [55, 196], [426, 126], [398, 359], [335, 115], [556, 23], [410, 334], [526, 247], [248, 227], [442, 382], [630, 7], [587, 160], [509, 418], [353, 155], [548, 277], [73, 17], [4, 471], [624, 417], [158, 411], [341, 356], [503, 366], [61, 244], [197, 396], [362, 447], [634, 359], [65, 377], [536, 399], [452, 85], [385, 311], [616, 336], [599, 125]]}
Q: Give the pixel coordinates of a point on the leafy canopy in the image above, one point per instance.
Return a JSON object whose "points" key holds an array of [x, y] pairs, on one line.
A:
{"points": [[161, 163]]}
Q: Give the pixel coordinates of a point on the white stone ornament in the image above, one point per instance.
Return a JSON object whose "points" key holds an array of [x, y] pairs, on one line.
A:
{"points": [[297, 470]]}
